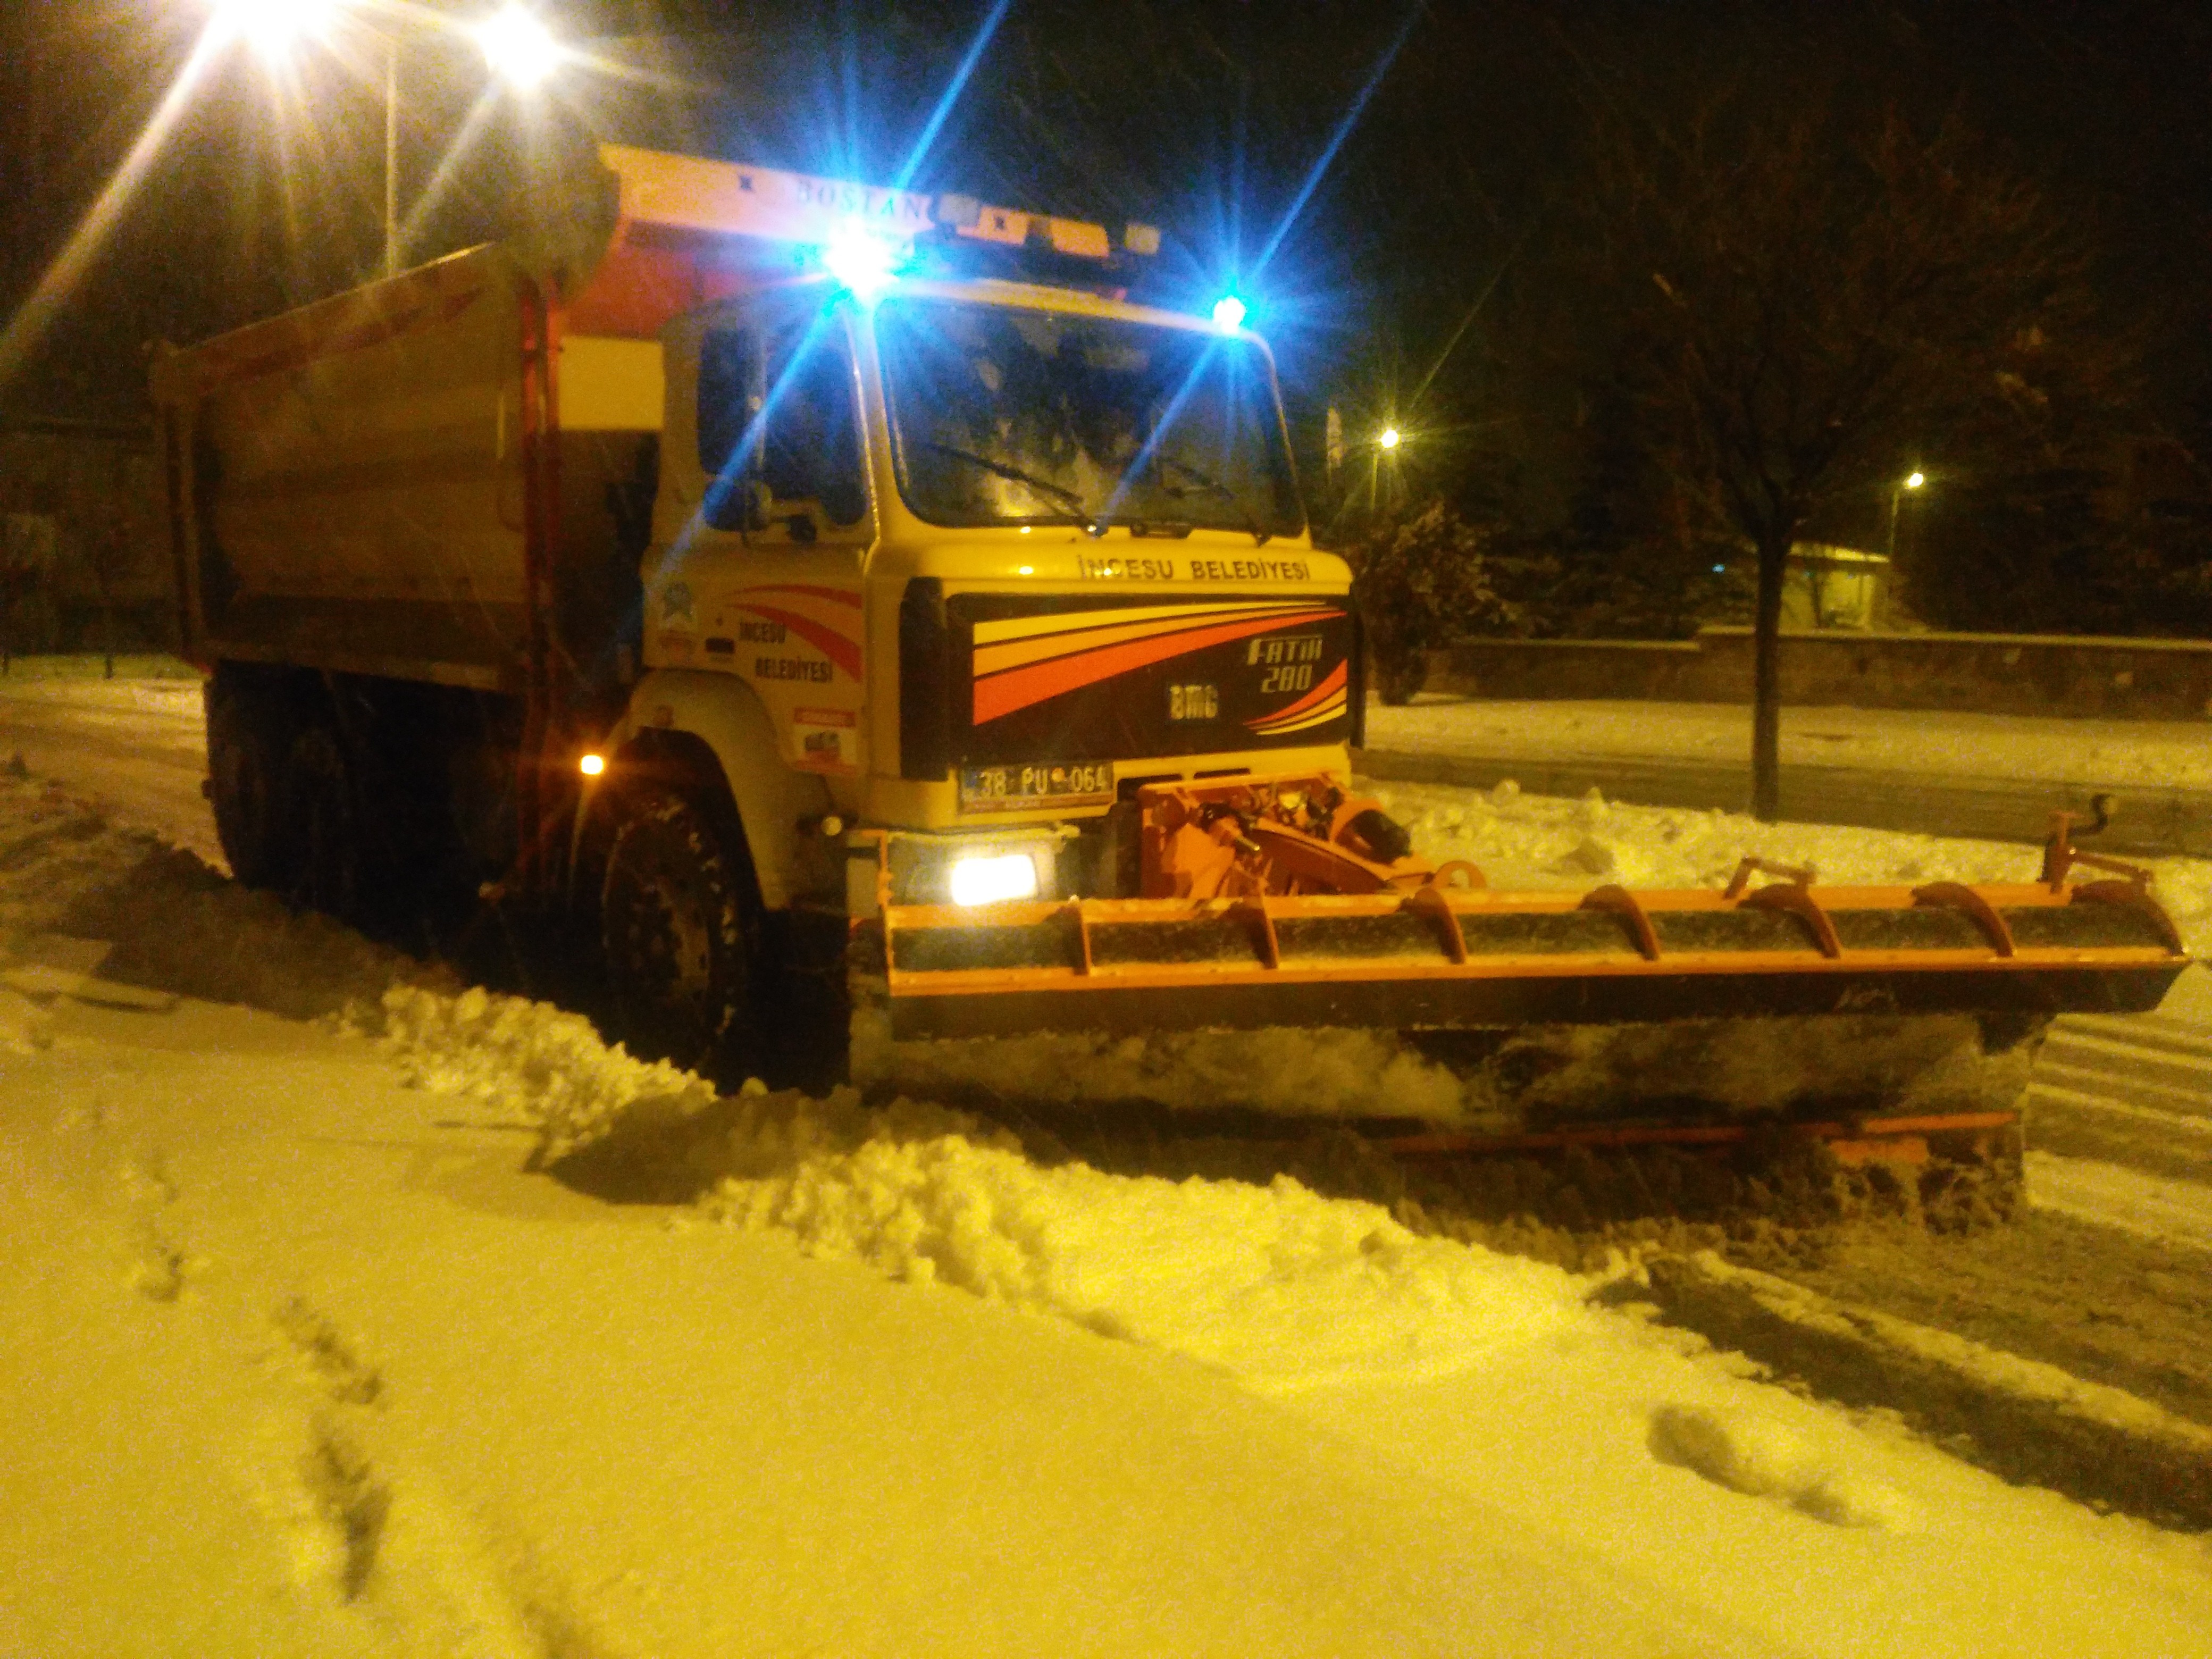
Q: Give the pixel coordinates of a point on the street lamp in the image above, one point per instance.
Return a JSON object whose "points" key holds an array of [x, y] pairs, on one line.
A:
{"points": [[272, 28], [1911, 480], [519, 47], [1390, 438]]}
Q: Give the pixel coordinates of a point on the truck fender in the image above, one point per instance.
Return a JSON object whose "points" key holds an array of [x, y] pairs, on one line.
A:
{"points": [[727, 715]]}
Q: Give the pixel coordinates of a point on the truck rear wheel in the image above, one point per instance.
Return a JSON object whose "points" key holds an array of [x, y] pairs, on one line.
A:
{"points": [[246, 748], [326, 860], [676, 928]]}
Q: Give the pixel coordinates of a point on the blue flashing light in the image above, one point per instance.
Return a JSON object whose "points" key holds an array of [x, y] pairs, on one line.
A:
{"points": [[1228, 313], [863, 263]]}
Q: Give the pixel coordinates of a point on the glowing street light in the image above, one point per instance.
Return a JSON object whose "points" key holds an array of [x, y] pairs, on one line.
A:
{"points": [[1911, 480], [272, 28], [519, 48], [1389, 437]]}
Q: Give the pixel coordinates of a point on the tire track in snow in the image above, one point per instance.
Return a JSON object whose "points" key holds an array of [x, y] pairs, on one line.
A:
{"points": [[2120, 1119]]}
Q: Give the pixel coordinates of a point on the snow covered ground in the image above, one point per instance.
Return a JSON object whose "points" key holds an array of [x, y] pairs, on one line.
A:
{"points": [[1523, 840], [305, 1355], [1929, 742]]}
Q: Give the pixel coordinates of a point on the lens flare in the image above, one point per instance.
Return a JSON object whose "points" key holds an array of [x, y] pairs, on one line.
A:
{"points": [[950, 95], [862, 262], [60, 278], [1343, 130], [272, 28], [520, 49]]}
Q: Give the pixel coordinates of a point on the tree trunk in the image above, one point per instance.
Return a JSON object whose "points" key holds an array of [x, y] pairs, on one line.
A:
{"points": [[1766, 679]]}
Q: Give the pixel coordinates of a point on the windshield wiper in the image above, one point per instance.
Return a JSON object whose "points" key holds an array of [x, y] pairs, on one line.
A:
{"points": [[1215, 488], [1045, 487]]}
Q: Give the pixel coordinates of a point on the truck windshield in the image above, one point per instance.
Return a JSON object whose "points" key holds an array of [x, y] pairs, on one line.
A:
{"points": [[1007, 416]]}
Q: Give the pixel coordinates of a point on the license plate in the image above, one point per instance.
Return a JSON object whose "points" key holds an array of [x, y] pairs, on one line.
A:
{"points": [[1025, 788]]}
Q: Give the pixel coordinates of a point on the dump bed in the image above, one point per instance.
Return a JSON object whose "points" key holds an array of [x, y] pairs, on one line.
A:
{"points": [[366, 484]]}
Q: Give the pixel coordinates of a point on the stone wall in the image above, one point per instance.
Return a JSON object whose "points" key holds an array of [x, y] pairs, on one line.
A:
{"points": [[1984, 673], [83, 541]]}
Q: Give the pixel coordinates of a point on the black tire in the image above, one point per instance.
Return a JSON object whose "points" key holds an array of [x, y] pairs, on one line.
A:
{"points": [[325, 826], [246, 751], [679, 933]]}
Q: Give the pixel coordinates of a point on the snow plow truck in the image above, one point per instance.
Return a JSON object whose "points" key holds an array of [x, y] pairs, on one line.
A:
{"points": [[839, 597]]}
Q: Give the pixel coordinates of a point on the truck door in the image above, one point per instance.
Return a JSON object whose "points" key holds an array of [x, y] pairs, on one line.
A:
{"points": [[774, 581]]}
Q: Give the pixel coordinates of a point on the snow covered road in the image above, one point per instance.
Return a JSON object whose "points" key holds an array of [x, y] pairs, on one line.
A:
{"points": [[304, 1356], [1915, 770], [139, 744]]}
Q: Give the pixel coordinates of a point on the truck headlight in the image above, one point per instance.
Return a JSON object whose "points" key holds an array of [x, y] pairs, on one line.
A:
{"points": [[995, 879]]}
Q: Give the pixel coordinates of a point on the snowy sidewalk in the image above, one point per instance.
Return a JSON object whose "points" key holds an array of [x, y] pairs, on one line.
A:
{"points": [[1991, 776]]}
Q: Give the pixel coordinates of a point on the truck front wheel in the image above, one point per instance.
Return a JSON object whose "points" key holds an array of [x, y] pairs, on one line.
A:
{"points": [[676, 928]]}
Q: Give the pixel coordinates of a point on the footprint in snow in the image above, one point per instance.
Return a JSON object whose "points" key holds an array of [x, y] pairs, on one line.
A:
{"points": [[1762, 1457], [345, 1375]]}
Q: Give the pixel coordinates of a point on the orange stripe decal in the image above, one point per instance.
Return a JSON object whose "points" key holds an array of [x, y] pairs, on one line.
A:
{"points": [[1018, 688], [1332, 709], [1014, 654], [1321, 693]]}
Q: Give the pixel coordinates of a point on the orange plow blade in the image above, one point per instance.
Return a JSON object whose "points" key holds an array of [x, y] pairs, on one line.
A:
{"points": [[1282, 906], [1440, 958]]}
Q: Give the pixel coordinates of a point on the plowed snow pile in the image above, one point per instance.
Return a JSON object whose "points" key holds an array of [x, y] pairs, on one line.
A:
{"points": [[71, 881], [1493, 1374], [1282, 1287], [1533, 841]]}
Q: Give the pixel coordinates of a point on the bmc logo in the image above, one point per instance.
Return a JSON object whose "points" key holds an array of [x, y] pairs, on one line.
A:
{"points": [[1193, 702]]}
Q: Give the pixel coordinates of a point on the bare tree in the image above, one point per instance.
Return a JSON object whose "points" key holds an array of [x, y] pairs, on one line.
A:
{"points": [[1813, 299], [112, 557]]}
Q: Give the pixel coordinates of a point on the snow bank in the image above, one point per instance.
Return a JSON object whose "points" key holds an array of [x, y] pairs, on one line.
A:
{"points": [[1275, 1284], [530, 1063], [1546, 842], [2086, 754], [1284, 1289], [160, 918]]}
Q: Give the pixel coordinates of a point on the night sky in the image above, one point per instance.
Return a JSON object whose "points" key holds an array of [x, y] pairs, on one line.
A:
{"points": [[1454, 186]]}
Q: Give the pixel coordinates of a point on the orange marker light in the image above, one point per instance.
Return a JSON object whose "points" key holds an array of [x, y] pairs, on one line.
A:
{"points": [[592, 765]]}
